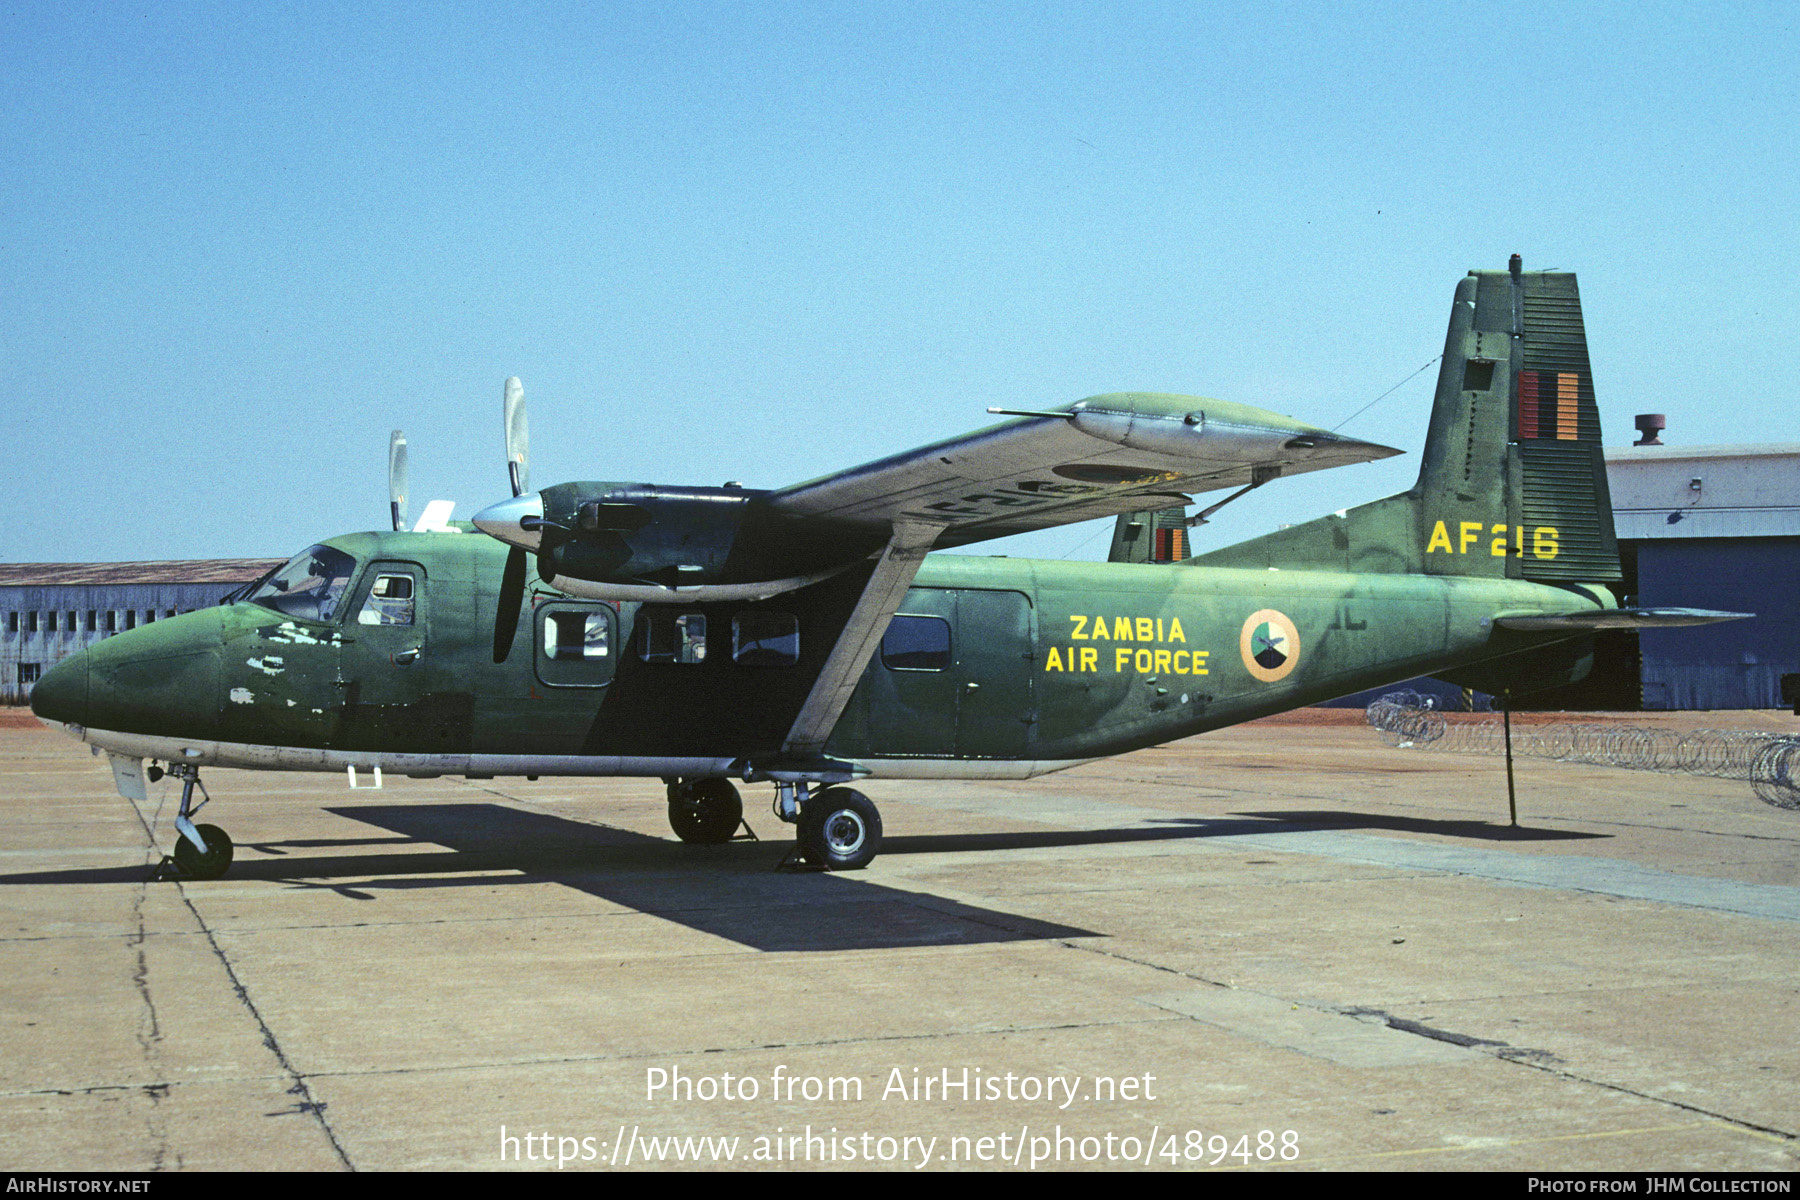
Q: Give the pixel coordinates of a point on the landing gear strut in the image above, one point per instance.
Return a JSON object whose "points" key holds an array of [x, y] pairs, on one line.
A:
{"points": [[202, 851], [706, 812]]}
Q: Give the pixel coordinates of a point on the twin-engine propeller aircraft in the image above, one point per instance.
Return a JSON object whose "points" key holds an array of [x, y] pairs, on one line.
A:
{"points": [[803, 636]]}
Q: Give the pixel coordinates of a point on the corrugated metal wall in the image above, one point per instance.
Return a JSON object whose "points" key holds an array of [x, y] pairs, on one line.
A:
{"points": [[1737, 664]]}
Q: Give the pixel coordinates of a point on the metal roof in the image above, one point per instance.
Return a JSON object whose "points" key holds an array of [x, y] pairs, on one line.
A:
{"points": [[204, 570], [1670, 453]]}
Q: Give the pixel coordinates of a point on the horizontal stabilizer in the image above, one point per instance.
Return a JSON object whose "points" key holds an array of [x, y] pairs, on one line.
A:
{"points": [[1619, 618]]}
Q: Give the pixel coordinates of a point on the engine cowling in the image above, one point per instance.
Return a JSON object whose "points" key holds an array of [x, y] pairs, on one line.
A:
{"points": [[639, 541]]}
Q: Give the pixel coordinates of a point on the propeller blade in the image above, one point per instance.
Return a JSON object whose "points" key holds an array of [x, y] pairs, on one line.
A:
{"points": [[397, 479], [546, 569], [518, 445], [512, 600]]}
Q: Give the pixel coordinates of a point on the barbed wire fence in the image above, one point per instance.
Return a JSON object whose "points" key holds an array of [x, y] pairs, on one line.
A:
{"points": [[1769, 762]]}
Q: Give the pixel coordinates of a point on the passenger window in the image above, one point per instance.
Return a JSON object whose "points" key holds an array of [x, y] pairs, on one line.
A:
{"points": [[574, 644], [665, 637], [916, 644], [765, 639], [576, 635], [390, 602]]}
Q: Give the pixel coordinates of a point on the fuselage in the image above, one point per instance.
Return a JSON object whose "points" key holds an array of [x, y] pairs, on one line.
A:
{"points": [[993, 667]]}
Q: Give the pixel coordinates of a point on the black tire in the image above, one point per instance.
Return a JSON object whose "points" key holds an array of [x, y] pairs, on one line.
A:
{"points": [[705, 812], [211, 865], [840, 830]]}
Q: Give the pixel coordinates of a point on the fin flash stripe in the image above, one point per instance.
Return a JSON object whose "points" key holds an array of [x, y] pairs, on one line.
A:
{"points": [[1547, 409]]}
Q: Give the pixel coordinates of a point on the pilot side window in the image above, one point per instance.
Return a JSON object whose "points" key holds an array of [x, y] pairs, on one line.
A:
{"points": [[670, 637], [916, 644], [765, 639], [390, 602]]}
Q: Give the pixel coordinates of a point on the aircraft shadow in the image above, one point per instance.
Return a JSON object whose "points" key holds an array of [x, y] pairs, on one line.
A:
{"points": [[1168, 829], [729, 891], [1488, 831]]}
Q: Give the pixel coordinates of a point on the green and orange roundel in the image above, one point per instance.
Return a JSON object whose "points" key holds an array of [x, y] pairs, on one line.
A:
{"points": [[1269, 645]]}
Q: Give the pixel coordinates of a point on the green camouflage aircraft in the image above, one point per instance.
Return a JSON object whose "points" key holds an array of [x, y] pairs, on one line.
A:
{"points": [[803, 636]]}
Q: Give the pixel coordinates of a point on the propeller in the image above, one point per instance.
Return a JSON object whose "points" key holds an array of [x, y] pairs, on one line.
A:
{"points": [[397, 479], [518, 470], [518, 444]]}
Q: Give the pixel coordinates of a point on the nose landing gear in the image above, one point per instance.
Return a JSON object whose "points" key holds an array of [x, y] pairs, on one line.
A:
{"points": [[202, 851]]}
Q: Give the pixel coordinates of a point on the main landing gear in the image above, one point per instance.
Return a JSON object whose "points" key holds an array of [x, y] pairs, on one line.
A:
{"points": [[836, 829], [706, 812], [202, 851]]}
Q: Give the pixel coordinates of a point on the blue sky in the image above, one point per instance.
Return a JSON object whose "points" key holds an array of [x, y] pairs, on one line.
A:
{"points": [[240, 243]]}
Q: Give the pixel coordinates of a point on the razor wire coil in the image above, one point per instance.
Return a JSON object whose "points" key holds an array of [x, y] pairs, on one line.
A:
{"points": [[1769, 762]]}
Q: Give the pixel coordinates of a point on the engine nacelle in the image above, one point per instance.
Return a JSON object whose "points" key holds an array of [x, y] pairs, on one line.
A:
{"points": [[641, 533]]}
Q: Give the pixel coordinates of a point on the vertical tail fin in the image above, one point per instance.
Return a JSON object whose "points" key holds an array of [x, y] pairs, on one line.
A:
{"points": [[1159, 536], [1513, 479]]}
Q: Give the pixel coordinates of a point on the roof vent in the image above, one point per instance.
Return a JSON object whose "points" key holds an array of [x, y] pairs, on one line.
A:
{"points": [[1649, 426]]}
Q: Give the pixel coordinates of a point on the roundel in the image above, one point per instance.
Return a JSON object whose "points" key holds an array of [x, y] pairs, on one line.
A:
{"points": [[1269, 644]]}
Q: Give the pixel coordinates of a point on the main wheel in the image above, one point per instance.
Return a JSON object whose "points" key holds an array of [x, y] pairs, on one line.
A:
{"points": [[210, 865], [705, 811], [840, 830]]}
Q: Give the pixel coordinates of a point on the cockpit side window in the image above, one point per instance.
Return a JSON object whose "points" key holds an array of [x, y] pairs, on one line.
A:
{"points": [[390, 601], [310, 586]]}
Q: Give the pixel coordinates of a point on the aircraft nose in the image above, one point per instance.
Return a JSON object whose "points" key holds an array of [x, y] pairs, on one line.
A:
{"points": [[61, 695], [513, 521]]}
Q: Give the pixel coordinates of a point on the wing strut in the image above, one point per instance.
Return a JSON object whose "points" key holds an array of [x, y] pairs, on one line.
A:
{"points": [[886, 588]]}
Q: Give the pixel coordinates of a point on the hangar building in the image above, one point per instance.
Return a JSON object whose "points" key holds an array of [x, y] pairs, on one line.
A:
{"points": [[1709, 527]]}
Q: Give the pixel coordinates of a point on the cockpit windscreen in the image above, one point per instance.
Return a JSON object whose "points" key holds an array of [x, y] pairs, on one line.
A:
{"points": [[310, 585]]}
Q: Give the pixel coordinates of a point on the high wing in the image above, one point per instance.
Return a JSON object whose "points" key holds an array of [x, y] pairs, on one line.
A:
{"points": [[1096, 458]]}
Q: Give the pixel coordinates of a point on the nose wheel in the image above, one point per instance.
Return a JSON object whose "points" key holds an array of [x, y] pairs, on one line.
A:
{"points": [[202, 851], [208, 863]]}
